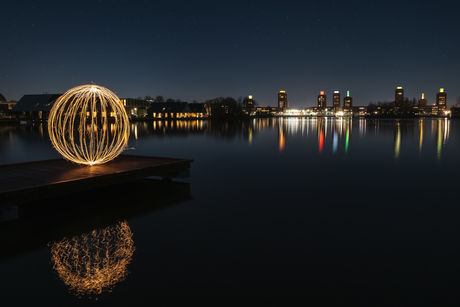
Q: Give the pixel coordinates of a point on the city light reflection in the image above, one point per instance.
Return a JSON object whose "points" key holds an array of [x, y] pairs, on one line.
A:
{"points": [[333, 134], [281, 136], [397, 141], [347, 139], [321, 141], [421, 128], [335, 142]]}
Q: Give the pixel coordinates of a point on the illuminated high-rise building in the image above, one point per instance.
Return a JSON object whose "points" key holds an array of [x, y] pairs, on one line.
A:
{"points": [[347, 103], [399, 96], [336, 100], [441, 100], [321, 100], [250, 102], [282, 100], [422, 102]]}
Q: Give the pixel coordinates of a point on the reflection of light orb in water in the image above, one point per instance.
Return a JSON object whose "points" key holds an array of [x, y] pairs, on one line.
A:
{"points": [[93, 263], [88, 125]]}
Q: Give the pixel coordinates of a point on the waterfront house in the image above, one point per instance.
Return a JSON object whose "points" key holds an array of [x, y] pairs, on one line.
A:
{"points": [[135, 108], [198, 110], [169, 110], [2, 98], [35, 107]]}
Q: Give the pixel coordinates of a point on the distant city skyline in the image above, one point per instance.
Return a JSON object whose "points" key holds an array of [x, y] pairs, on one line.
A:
{"points": [[199, 51], [332, 97]]}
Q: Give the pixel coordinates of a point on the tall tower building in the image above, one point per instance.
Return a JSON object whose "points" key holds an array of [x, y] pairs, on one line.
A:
{"points": [[336, 100], [399, 96], [250, 102], [441, 100], [282, 100], [347, 103], [422, 102], [321, 100]]}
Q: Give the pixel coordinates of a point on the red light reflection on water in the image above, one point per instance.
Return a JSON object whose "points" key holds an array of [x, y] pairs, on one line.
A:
{"points": [[321, 141]]}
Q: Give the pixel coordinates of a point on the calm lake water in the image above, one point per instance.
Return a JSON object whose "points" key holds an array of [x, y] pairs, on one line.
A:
{"points": [[275, 212]]}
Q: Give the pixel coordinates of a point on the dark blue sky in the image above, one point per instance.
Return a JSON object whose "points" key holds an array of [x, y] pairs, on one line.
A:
{"points": [[198, 50]]}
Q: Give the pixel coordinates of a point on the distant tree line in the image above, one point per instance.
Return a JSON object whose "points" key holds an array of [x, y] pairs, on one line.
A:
{"points": [[221, 107], [159, 98], [225, 107], [392, 108], [228, 107]]}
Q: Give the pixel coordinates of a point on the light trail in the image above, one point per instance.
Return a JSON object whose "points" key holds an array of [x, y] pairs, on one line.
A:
{"points": [[89, 125]]}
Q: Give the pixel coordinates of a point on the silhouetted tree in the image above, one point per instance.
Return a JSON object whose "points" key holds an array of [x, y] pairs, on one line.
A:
{"points": [[381, 108], [404, 108], [225, 108], [169, 100], [407, 107], [148, 97], [159, 98]]}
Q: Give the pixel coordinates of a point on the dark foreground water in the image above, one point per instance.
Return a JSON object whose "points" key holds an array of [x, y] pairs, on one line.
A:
{"points": [[276, 212]]}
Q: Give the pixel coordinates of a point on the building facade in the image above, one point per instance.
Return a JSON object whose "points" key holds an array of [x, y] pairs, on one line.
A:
{"points": [[321, 101], [169, 110], [336, 100], [348, 104], [198, 110], [282, 101], [399, 96], [441, 101], [2, 98], [135, 107], [422, 103], [250, 102], [35, 107]]}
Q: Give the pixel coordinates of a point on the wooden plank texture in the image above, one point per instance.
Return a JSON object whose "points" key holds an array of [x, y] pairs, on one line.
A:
{"points": [[24, 182]]}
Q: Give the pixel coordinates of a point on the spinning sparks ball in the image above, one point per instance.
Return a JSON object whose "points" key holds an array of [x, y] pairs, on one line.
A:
{"points": [[88, 125]]}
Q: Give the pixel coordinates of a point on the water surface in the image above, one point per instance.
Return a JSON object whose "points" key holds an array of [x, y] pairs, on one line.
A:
{"points": [[276, 211]]}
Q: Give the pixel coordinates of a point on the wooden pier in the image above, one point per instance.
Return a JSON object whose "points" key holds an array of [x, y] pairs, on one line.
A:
{"points": [[24, 182]]}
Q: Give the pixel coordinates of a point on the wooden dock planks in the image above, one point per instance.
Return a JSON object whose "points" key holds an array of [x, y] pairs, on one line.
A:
{"points": [[29, 181]]}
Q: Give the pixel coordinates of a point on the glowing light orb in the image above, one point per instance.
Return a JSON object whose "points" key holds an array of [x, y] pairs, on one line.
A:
{"points": [[89, 125], [93, 263]]}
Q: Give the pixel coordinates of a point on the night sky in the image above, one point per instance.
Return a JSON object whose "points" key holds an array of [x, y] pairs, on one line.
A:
{"points": [[198, 50]]}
